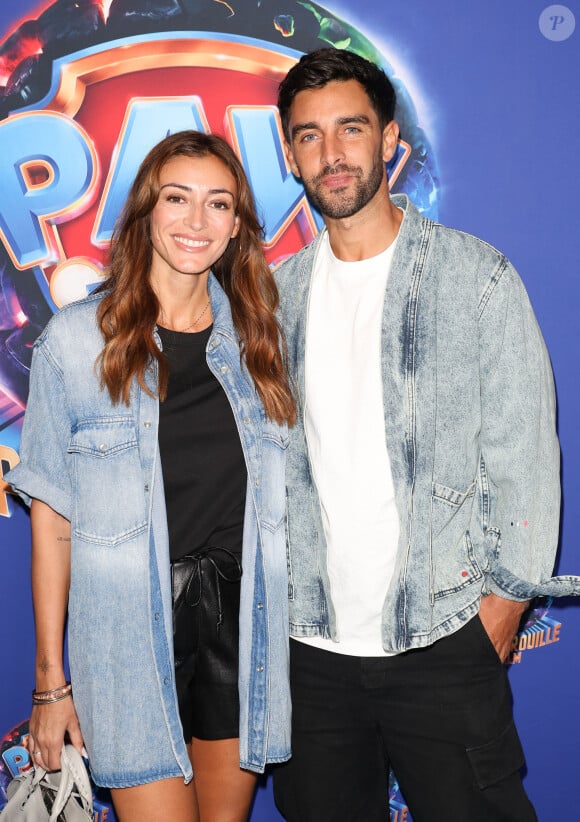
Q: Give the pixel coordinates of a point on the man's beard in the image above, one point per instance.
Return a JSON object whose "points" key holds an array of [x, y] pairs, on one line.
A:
{"points": [[338, 204]]}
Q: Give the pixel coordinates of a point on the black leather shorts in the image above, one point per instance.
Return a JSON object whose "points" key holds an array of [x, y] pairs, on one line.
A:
{"points": [[206, 603]]}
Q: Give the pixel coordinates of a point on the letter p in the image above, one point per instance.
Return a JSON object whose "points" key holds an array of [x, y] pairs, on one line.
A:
{"points": [[49, 173]]}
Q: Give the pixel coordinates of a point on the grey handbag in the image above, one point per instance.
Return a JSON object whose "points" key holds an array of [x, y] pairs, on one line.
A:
{"points": [[51, 796]]}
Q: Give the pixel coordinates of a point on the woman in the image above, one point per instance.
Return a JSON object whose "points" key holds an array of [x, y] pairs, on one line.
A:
{"points": [[153, 457]]}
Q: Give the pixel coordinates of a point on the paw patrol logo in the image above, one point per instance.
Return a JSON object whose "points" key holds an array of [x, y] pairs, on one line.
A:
{"points": [[87, 88]]}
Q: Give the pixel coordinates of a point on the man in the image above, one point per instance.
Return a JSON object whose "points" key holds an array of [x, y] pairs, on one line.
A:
{"points": [[423, 480]]}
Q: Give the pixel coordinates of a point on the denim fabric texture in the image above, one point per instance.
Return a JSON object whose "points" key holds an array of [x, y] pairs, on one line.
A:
{"points": [[469, 409], [98, 465]]}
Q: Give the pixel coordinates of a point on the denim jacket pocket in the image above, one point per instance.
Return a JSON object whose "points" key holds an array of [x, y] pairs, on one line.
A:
{"points": [[452, 556], [110, 504], [274, 445]]}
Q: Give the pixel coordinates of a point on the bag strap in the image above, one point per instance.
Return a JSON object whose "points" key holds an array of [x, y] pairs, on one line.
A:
{"points": [[73, 772]]}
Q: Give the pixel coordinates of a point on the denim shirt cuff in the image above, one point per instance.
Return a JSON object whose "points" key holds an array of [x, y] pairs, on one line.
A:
{"points": [[502, 582]]}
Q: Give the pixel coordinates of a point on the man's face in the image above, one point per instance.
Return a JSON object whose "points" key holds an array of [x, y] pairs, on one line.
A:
{"points": [[337, 147]]}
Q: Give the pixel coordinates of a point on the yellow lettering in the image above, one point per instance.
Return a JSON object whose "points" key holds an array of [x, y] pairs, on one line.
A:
{"points": [[541, 640]]}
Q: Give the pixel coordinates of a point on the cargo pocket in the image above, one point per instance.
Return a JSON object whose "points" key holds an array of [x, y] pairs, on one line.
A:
{"points": [[498, 759]]}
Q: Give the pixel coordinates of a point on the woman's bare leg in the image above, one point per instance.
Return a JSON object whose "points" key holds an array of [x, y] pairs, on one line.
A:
{"points": [[166, 800], [224, 791], [220, 791]]}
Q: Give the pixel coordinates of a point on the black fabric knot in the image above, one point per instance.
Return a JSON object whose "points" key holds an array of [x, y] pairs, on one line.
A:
{"points": [[187, 574]]}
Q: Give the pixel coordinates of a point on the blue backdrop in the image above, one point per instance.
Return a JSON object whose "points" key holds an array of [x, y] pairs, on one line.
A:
{"points": [[490, 115]]}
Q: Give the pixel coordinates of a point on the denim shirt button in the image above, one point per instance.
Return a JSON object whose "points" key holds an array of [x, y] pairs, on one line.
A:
{"points": [[247, 420], [166, 680], [146, 488], [223, 369], [257, 482], [156, 617], [260, 669], [147, 424], [102, 447], [260, 606]]}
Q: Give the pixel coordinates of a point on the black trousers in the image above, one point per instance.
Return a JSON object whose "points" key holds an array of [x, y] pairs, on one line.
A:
{"points": [[440, 717]]}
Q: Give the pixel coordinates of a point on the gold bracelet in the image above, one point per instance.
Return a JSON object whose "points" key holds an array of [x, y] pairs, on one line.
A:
{"points": [[36, 701], [53, 695]]}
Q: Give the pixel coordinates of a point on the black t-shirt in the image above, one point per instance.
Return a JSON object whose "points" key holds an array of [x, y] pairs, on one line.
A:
{"points": [[204, 472]]}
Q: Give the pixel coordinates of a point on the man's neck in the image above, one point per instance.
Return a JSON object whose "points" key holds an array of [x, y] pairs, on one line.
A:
{"points": [[368, 232]]}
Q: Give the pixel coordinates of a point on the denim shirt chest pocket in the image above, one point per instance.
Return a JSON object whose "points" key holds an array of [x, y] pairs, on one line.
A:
{"points": [[265, 455], [107, 471], [274, 445]]}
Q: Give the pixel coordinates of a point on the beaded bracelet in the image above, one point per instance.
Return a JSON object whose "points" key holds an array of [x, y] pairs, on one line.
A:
{"points": [[53, 695]]}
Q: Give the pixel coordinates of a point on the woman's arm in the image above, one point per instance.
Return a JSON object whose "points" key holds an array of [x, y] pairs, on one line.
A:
{"points": [[50, 587]]}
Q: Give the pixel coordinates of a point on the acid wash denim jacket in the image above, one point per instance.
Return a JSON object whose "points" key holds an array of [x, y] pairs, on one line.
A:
{"points": [[97, 464], [469, 413]]}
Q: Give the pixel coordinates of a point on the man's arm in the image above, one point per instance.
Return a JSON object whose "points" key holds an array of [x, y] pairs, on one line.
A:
{"points": [[519, 446]]}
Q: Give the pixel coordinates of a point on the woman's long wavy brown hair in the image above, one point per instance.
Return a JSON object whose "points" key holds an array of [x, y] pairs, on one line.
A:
{"points": [[129, 309]]}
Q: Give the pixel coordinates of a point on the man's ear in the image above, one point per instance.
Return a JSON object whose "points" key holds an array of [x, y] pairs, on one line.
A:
{"points": [[289, 154], [390, 138]]}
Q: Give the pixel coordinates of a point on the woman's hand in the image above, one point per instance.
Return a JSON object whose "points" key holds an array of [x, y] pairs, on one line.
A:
{"points": [[49, 724]]}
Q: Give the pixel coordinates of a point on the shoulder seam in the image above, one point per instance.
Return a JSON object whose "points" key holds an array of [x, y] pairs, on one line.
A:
{"points": [[492, 285]]}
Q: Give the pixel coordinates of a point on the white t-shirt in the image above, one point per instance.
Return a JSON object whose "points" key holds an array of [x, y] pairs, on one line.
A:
{"points": [[345, 431]]}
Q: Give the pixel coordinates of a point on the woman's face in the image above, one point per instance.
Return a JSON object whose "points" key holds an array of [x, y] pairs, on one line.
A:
{"points": [[194, 217]]}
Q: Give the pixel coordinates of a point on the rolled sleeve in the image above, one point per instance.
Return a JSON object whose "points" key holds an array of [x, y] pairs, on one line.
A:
{"points": [[43, 472]]}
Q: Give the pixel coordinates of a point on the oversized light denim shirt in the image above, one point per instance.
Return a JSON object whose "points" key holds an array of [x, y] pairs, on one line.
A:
{"points": [[469, 414], [97, 464]]}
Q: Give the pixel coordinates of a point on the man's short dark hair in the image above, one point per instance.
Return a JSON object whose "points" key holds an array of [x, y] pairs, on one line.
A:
{"points": [[316, 69]]}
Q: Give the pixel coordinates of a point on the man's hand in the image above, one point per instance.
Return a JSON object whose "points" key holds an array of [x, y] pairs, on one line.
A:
{"points": [[501, 618]]}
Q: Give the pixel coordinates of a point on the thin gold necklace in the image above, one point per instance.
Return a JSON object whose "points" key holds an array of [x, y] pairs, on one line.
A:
{"points": [[187, 327]]}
